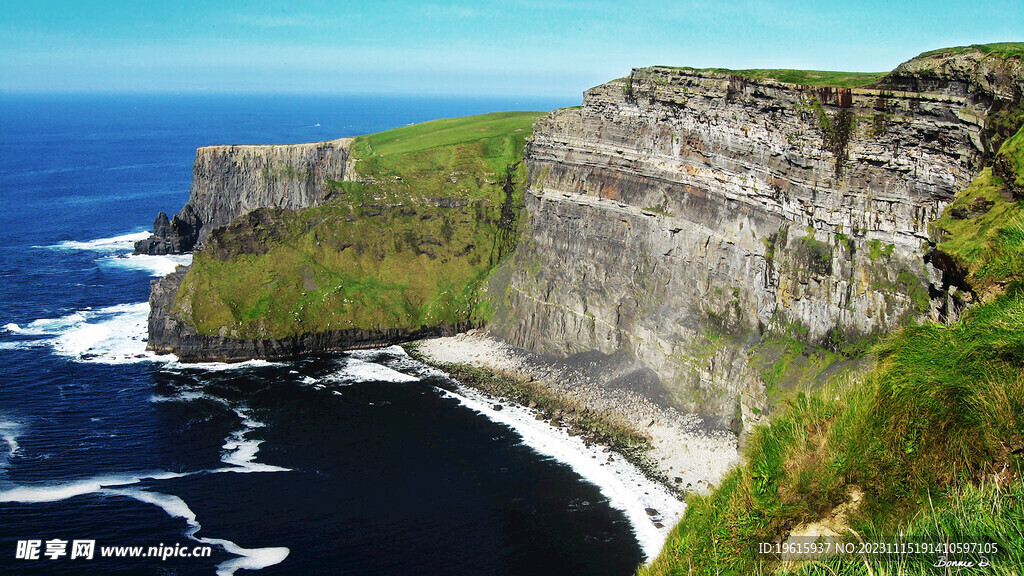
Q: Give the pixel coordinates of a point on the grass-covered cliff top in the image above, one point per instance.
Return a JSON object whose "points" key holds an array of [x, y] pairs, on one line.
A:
{"points": [[803, 77], [1000, 49], [402, 247], [837, 79]]}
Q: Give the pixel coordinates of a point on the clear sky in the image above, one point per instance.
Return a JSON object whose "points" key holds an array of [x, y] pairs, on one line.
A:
{"points": [[555, 48]]}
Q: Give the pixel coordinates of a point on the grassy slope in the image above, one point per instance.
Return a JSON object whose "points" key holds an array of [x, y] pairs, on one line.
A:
{"points": [[405, 246], [942, 412], [983, 229], [934, 436]]}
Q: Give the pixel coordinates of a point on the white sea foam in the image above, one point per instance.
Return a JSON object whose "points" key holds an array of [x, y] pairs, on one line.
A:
{"points": [[19, 345], [157, 266], [219, 366], [187, 396], [49, 326], [248, 558], [240, 452], [63, 491], [122, 242], [356, 370], [624, 485], [9, 432], [111, 335]]}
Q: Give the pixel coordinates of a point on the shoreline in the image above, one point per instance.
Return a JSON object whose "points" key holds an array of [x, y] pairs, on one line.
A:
{"points": [[682, 453], [644, 457]]}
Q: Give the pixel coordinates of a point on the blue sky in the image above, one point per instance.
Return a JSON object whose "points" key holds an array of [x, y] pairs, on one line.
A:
{"points": [[555, 48]]}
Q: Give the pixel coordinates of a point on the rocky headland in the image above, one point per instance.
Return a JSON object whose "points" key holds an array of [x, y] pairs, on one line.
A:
{"points": [[231, 181], [717, 227], [690, 251]]}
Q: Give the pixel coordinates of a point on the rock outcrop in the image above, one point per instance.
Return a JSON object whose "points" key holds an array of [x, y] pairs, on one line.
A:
{"points": [[230, 181], [172, 236], [680, 215], [169, 334]]}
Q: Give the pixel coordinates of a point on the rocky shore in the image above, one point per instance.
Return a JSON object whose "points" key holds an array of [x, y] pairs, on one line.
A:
{"points": [[685, 451]]}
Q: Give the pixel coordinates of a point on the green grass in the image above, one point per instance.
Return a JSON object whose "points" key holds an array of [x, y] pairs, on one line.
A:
{"points": [[942, 412], [454, 157], [987, 239], [1012, 155], [1000, 49], [988, 514], [876, 250], [805, 77], [494, 127], [405, 247]]}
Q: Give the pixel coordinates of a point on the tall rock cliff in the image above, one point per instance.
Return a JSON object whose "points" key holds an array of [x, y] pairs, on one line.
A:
{"points": [[230, 181], [323, 247], [681, 215]]}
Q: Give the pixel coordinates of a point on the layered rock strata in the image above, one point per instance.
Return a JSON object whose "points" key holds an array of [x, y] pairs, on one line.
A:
{"points": [[679, 215], [230, 181]]}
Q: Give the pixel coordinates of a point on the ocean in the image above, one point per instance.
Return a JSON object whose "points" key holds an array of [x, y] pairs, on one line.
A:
{"points": [[117, 461]]}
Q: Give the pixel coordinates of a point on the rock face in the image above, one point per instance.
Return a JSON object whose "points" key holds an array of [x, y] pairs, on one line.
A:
{"points": [[172, 237], [680, 214], [169, 334], [230, 181]]}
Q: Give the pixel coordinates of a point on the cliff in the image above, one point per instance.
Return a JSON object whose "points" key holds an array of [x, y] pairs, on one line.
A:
{"points": [[396, 250], [230, 181], [734, 233], [700, 219], [170, 333]]}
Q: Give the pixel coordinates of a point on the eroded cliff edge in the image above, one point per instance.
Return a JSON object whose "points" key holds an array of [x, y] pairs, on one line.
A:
{"points": [[231, 181], [688, 217], [392, 248]]}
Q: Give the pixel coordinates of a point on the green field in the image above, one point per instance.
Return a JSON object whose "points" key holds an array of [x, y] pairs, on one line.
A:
{"points": [[404, 246]]}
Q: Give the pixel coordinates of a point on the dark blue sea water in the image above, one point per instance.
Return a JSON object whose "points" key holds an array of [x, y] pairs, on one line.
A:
{"points": [[352, 464]]}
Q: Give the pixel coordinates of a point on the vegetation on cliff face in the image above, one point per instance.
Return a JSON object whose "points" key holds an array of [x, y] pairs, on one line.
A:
{"points": [[933, 438], [939, 420], [982, 230], [403, 246]]}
